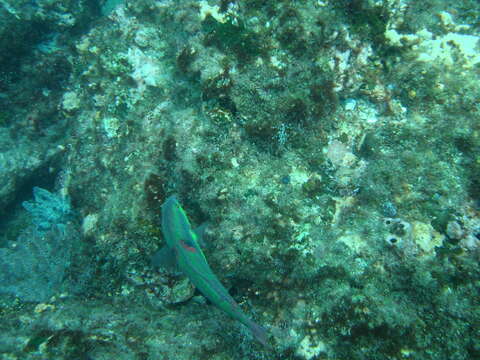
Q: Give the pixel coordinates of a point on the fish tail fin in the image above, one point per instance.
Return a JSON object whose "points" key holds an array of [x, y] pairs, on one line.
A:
{"points": [[259, 333]]}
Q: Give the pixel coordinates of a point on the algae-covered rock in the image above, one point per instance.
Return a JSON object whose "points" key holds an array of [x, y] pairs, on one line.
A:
{"points": [[426, 237], [329, 148]]}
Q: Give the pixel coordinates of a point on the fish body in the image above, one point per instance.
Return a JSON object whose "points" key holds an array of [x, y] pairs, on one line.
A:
{"points": [[183, 241]]}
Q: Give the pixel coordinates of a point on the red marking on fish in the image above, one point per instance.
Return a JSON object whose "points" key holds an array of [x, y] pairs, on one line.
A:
{"points": [[186, 247]]}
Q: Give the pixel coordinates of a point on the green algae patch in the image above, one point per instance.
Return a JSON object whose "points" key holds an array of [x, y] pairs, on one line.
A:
{"points": [[232, 37]]}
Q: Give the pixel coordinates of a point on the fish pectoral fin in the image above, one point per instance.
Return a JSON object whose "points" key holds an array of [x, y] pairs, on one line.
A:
{"points": [[164, 258], [200, 232]]}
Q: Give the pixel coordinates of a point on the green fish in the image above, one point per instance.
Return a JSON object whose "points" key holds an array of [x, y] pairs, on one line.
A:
{"points": [[183, 243]]}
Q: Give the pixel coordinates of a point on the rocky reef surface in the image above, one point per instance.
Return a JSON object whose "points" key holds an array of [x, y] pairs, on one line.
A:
{"points": [[332, 147]]}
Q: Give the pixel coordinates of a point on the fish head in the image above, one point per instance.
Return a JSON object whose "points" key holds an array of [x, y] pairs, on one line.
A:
{"points": [[176, 228]]}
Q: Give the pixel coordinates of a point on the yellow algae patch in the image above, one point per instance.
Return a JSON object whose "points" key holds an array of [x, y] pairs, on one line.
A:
{"points": [[426, 237], [298, 177], [310, 348], [353, 241], [214, 11], [43, 307]]}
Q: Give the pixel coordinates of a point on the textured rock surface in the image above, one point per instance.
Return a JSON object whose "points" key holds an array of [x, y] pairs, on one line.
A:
{"points": [[335, 163]]}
